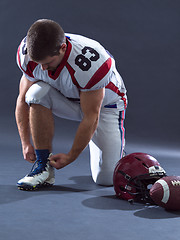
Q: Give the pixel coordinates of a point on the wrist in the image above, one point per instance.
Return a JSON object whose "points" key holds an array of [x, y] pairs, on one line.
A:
{"points": [[72, 156], [25, 144]]}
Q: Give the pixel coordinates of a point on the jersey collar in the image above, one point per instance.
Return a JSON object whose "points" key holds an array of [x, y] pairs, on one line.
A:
{"points": [[54, 75]]}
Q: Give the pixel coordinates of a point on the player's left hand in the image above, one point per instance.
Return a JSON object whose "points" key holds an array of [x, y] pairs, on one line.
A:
{"points": [[60, 160]]}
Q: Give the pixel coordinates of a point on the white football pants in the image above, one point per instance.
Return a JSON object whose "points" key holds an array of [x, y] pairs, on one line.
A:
{"points": [[107, 144]]}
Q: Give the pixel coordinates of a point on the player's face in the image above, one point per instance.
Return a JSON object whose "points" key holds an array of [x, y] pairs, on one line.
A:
{"points": [[51, 63]]}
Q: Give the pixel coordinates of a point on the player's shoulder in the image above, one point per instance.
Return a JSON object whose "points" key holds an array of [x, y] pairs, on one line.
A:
{"points": [[86, 49], [89, 62], [78, 37], [80, 40]]}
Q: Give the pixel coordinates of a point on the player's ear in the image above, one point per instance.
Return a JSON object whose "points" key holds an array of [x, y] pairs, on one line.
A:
{"points": [[63, 48]]}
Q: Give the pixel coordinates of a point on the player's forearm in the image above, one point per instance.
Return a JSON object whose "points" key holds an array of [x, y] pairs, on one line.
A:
{"points": [[84, 134], [22, 120]]}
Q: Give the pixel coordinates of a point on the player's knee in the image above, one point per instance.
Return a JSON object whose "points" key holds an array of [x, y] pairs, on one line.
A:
{"points": [[104, 178], [38, 94]]}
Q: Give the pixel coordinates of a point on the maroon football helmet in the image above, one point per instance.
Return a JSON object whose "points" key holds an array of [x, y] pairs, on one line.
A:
{"points": [[134, 174]]}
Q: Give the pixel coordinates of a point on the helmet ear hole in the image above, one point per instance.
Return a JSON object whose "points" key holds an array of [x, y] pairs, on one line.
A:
{"points": [[149, 186], [122, 188], [156, 167]]}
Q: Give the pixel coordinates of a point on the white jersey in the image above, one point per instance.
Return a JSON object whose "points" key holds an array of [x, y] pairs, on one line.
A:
{"points": [[86, 66]]}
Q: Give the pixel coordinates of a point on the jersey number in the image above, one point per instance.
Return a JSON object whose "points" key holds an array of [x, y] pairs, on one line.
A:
{"points": [[84, 62]]}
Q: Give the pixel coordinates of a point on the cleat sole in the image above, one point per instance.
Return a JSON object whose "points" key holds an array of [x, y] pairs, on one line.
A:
{"points": [[26, 187]]}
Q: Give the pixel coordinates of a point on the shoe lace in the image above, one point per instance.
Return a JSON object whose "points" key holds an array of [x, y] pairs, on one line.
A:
{"points": [[38, 167]]}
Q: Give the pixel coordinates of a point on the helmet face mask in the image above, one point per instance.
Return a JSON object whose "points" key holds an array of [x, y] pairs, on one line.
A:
{"points": [[134, 175]]}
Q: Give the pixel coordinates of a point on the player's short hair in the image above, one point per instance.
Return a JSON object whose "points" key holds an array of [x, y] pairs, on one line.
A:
{"points": [[44, 38]]}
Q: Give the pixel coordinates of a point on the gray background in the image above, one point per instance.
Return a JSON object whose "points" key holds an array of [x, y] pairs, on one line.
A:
{"points": [[144, 37]]}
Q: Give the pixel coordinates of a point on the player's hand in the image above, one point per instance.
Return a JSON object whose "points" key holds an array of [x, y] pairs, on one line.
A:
{"points": [[60, 160], [29, 153]]}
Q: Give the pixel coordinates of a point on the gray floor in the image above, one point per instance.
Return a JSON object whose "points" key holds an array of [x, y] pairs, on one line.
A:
{"points": [[75, 208]]}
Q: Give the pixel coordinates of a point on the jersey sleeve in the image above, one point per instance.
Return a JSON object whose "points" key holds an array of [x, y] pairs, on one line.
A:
{"points": [[23, 61], [100, 78]]}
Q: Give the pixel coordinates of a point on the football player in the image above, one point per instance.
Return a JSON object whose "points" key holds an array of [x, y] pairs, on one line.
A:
{"points": [[72, 77]]}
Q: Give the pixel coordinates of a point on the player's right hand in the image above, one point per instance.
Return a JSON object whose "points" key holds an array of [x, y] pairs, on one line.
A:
{"points": [[29, 153]]}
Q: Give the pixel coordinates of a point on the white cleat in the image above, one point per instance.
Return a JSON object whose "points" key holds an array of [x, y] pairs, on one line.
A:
{"points": [[41, 174]]}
